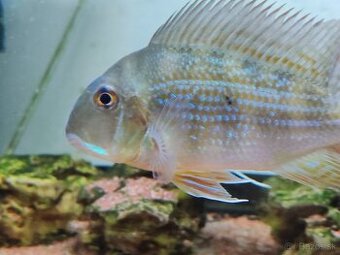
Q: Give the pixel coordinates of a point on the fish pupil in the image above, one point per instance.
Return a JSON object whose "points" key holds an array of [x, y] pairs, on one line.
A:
{"points": [[105, 99]]}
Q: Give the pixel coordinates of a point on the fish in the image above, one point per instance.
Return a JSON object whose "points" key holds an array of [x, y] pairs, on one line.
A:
{"points": [[224, 86]]}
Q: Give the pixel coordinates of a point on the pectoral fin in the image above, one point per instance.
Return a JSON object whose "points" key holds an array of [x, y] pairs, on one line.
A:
{"points": [[162, 157], [163, 139], [319, 169], [207, 185]]}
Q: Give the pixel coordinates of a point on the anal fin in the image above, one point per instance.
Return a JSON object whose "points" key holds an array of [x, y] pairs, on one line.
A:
{"points": [[318, 169], [207, 185], [244, 175]]}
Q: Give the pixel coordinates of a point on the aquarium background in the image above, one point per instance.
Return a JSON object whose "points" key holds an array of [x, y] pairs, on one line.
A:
{"points": [[51, 50]]}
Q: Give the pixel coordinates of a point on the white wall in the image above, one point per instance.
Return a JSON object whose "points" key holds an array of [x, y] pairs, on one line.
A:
{"points": [[104, 31], [32, 31]]}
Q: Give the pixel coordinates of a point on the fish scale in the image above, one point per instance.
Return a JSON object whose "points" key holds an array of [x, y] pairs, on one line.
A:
{"points": [[268, 96]]}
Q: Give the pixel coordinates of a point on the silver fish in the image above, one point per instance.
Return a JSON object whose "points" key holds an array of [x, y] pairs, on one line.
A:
{"points": [[223, 86]]}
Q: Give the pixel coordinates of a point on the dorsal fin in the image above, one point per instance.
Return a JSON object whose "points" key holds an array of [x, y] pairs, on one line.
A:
{"points": [[256, 29]]}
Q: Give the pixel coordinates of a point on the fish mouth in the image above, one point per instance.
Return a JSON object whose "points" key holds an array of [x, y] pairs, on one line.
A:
{"points": [[90, 148], [75, 140]]}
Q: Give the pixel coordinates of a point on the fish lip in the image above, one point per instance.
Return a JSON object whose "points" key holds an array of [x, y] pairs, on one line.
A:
{"points": [[74, 139], [92, 150]]}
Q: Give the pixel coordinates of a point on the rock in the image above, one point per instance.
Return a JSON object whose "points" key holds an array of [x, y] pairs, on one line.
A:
{"points": [[125, 171], [46, 199], [39, 196], [304, 220], [236, 235], [140, 216], [69, 246]]}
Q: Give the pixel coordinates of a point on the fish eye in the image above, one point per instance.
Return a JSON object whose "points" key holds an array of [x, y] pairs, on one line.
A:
{"points": [[106, 98]]}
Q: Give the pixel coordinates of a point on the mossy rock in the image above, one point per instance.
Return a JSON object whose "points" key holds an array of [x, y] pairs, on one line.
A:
{"points": [[288, 194], [290, 210], [149, 228], [23, 225], [39, 196], [44, 166], [146, 225], [123, 170]]}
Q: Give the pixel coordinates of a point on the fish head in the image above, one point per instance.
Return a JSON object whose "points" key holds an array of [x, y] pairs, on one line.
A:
{"points": [[108, 121]]}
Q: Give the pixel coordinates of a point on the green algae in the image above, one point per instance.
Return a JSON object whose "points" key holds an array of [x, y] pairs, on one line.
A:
{"points": [[288, 194], [44, 166], [334, 215]]}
